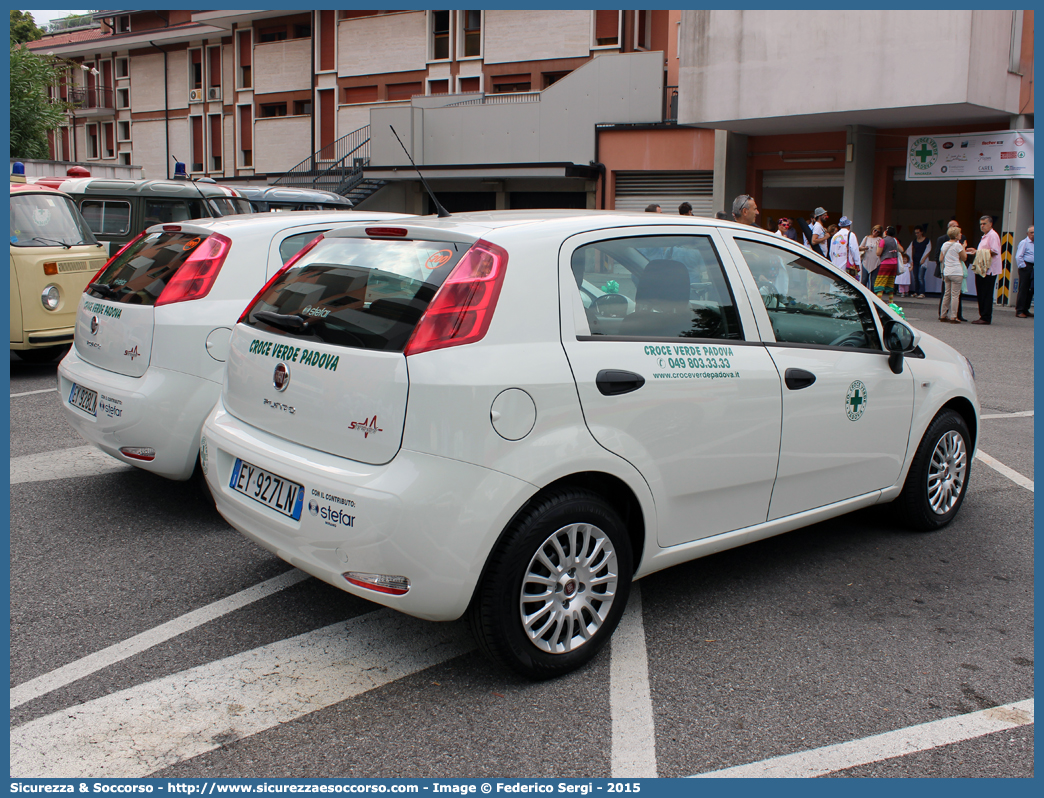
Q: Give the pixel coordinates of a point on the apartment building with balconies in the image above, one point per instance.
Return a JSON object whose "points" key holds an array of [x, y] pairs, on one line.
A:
{"points": [[502, 108]]}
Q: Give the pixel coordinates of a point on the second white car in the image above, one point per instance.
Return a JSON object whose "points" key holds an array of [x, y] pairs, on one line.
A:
{"points": [[153, 329]]}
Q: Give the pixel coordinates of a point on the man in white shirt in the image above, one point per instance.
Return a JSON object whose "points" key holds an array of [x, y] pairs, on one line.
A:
{"points": [[844, 248]]}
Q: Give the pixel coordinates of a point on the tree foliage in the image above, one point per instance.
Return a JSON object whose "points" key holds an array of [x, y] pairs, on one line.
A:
{"points": [[33, 113], [24, 28]]}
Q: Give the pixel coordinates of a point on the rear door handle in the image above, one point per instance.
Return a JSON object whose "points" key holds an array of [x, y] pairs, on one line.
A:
{"points": [[796, 379], [613, 382]]}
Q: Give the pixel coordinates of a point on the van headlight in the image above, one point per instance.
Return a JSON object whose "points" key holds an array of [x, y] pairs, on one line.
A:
{"points": [[51, 297]]}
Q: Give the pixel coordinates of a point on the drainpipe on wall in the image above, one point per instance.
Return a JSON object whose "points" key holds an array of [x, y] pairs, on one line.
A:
{"points": [[315, 99], [166, 110], [598, 165]]}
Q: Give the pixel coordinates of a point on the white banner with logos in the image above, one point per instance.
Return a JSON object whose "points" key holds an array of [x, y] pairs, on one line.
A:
{"points": [[970, 156]]}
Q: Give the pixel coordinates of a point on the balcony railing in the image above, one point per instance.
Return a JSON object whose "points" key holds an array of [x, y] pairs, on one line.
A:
{"points": [[87, 98]]}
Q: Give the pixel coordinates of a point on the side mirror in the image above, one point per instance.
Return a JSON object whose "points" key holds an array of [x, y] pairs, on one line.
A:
{"points": [[898, 338]]}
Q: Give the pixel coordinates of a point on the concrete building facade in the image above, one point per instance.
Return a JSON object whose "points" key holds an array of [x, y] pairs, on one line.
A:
{"points": [[818, 110]]}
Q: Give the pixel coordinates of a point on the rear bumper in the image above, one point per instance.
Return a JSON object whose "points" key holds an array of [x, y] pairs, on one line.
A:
{"points": [[431, 519], [162, 409], [40, 339]]}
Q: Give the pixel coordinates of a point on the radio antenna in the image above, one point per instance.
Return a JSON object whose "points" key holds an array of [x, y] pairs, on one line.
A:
{"points": [[442, 212]]}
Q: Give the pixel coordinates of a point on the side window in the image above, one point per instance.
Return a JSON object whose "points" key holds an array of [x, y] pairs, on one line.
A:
{"points": [[106, 217], [809, 303], [165, 211], [291, 245], [655, 287]]}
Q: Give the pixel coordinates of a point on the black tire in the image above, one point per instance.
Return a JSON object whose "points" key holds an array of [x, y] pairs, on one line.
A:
{"points": [[938, 479], [567, 517], [44, 354]]}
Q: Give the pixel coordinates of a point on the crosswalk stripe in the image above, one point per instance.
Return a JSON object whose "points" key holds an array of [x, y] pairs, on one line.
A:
{"points": [[81, 461], [1000, 468], [135, 732], [67, 674], [630, 702], [901, 742]]}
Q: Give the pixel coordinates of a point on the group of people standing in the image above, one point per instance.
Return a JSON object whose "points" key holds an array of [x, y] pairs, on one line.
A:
{"points": [[879, 259]]}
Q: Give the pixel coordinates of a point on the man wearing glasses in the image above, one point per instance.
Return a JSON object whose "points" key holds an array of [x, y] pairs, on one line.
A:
{"points": [[745, 210]]}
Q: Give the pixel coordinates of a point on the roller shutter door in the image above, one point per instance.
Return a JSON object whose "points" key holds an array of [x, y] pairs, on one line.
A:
{"points": [[636, 190]]}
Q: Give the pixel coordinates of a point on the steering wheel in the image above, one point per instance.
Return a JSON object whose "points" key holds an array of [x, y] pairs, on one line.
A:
{"points": [[611, 306], [856, 339]]}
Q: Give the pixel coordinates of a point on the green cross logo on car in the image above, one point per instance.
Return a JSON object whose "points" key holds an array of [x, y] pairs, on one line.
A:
{"points": [[855, 401]]}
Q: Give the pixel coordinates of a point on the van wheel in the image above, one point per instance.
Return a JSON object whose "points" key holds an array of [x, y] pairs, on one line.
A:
{"points": [[43, 354], [555, 586], [938, 478]]}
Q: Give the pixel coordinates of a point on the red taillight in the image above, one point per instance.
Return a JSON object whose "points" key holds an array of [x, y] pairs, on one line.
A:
{"points": [[172, 228], [462, 309], [101, 271], [196, 276], [385, 232], [286, 266]]}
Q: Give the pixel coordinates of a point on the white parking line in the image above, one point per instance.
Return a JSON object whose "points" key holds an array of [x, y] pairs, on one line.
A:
{"points": [[30, 393], [1019, 414], [135, 732], [1000, 468], [630, 702], [926, 736], [67, 674], [81, 461]]}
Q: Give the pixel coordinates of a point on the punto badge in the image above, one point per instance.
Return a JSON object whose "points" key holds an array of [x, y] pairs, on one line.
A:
{"points": [[281, 378]]}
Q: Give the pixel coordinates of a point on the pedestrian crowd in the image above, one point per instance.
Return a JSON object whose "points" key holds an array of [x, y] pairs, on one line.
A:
{"points": [[881, 263]]}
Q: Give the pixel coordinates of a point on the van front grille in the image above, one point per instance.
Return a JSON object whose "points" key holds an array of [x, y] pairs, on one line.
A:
{"points": [[79, 266]]}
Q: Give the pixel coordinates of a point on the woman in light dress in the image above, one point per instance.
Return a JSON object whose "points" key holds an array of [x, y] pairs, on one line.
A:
{"points": [[868, 254]]}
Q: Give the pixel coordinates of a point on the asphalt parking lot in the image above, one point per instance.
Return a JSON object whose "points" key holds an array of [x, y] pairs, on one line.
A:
{"points": [[148, 638]]}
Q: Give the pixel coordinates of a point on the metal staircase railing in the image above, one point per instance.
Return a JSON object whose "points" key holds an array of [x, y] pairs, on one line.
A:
{"points": [[336, 167]]}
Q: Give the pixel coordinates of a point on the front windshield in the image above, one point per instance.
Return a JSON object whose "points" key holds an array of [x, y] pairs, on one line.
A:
{"points": [[47, 220], [227, 206]]}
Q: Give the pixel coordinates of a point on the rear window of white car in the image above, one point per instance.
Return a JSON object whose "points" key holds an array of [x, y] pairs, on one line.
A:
{"points": [[357, 292], [140, 273]]}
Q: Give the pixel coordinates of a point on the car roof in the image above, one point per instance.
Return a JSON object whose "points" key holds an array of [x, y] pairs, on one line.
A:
{"points": [[247, 223], [118, 187], [285, 194], [567, 221], [34, 188]]}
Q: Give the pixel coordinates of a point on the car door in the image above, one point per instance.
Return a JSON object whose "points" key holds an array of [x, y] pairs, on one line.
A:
{"points": [[846, 415], [671, 375]]}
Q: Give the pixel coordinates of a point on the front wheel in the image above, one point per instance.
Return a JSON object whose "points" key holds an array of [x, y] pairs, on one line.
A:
{"points": [[938, 478], [555, 586]]}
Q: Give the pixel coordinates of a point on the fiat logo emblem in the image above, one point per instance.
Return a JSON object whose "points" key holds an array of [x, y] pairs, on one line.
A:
{"points": [[94, 325], [281, 378]]}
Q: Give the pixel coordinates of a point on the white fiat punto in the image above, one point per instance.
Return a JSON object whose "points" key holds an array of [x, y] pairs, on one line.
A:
{"points": [[153, 327], [514, 415]]}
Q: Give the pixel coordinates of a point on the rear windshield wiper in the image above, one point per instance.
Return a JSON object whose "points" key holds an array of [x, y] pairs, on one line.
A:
{"points": [[290, 322], [104, 290]]}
